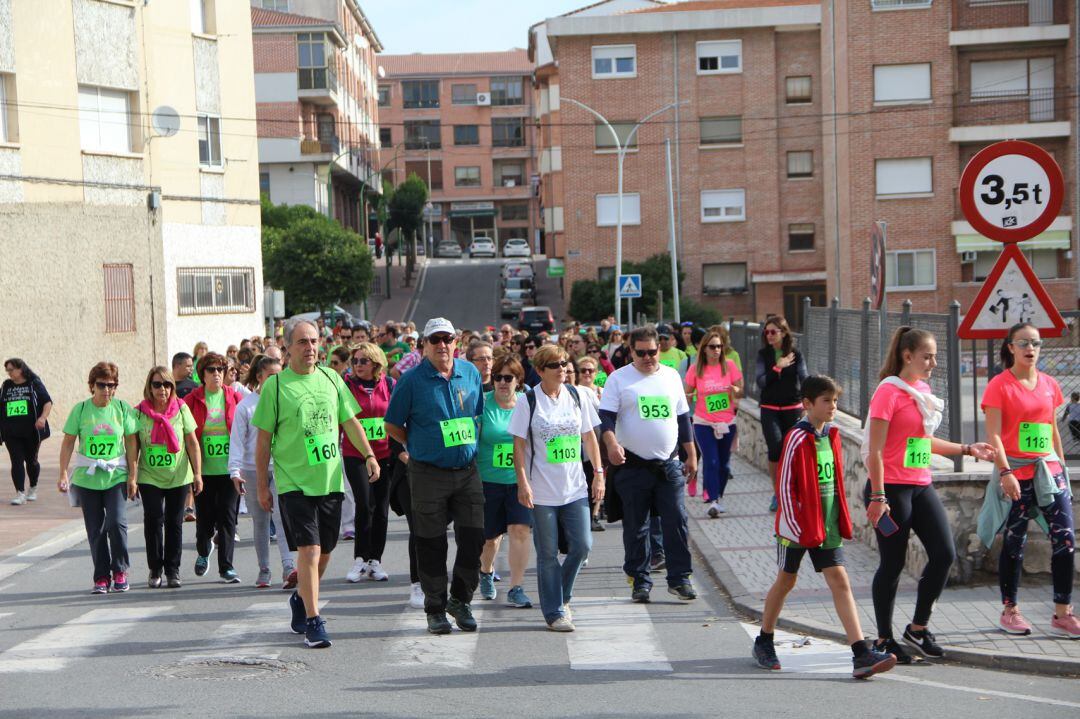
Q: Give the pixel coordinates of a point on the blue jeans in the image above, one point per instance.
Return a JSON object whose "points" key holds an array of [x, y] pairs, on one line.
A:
{"points": [[715, 459], [644, 488], [556, 581]]}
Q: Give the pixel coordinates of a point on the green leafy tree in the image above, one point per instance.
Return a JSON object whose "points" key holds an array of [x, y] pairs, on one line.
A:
{"points": [[406, 206], [591, 300]]}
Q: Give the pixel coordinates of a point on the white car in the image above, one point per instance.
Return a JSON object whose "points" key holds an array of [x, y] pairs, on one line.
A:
{"points": [[516, 268], [482, 246], [516, 247]]}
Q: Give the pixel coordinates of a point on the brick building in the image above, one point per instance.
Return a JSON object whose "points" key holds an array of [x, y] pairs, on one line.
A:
{"points": [[467, 120]]}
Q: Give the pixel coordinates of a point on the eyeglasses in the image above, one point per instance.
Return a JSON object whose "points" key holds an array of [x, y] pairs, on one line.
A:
{"points": [[530, 347], [503, 378], [586, 370], [646, 353], [714, 347], [593, 350], [770, 333], [107, 385], [1027, 344], [361, 361], [441, 340], [157, 384], [215, 370], [346, 338], [556, 365], [665, 337]]}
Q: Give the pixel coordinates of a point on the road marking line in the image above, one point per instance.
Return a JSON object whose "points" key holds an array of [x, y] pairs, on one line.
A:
{"points": [[262, 621], [5, 614], [614, 635], [976, 690], [76, 639], [414, 646]]}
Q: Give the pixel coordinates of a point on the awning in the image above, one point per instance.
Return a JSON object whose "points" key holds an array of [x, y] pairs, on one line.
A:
{"points": [[1054, 240], [472, 209]]}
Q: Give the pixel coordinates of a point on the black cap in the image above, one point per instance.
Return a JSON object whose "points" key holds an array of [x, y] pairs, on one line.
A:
{"points": [[665, 331]]}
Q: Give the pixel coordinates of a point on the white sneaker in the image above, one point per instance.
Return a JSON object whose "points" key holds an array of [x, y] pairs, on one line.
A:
{"points": [[359, 569], [416, 596], [375, 571], [31, 496], [20, 498]]}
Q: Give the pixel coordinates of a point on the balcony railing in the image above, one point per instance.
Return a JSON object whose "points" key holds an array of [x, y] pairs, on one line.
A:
{"points": [[986, 14], [1008, 107], [320, 147]]}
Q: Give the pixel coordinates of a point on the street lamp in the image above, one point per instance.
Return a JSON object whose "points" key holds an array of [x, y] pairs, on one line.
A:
{"points": [[621, 149]]}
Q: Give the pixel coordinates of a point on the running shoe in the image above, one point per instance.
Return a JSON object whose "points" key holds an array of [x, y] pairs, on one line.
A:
{"points": [[871, 662], [1067, 626], [714, 511], [891, 646], [765, 654], [359, 568], [20, 499], [516, 597], [487, 585], [101, 586], [462, 614], [684, 591], [597, 526], [291, 578], [174, 582], [416, 596], [230, 576], [119, 582], [154, 581], [659, 561], [691, 487], [31, 494], [273, 538], [923, 642], [720, 506], [437, 623], [189, 515], [299, 613], [561, 624], [263, 580], [640, 595], [348, 535], [202, 564], [375, 571], [315, 635], [1013, 622]]}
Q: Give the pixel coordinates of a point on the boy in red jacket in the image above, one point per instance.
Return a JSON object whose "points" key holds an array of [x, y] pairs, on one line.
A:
{"points": [[813, 519]]}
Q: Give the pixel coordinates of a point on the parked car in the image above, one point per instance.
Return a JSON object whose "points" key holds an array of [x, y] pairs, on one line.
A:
{"points": [[513, 301], [331, 316], [536, 319], [517, 268], [448, 248], [521, 283], [482, 246], [517, 247]]}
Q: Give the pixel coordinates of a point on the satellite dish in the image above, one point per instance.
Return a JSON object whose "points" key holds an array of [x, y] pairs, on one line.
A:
{"points": [[381, 72], [165, 121]]}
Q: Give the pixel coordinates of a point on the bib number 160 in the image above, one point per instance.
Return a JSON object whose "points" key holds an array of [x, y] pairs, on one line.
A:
{"points": [[320, 450]]}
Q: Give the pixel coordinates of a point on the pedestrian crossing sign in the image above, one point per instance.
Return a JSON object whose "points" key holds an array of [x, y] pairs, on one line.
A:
{"points": [[629, 286], [1012, 293]]}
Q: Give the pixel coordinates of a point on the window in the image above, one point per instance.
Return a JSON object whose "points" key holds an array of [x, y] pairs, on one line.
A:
{"points": [[723, 205], [605, 274], [508, 132], [264, 183], [604, 140], [422, 134], [202, 16], [721, 130], [420, 168], [420, 93], [386, 137], [314, 65], [216, 290], [910, 269], [3, 109], [718, 57], [509, 174], [607, 209], [279, 5], [384, 96], [898, 4], [907, 176], [466, 177], [1023, 78], [614, 61], [119, 298], [506, 91], [466, 135], [210, 141], [723, 278], [516, 211], [104, 124], [800, 163], [463, 94], [902, 83], [1043, 262], [800, 237], [798, 89]]}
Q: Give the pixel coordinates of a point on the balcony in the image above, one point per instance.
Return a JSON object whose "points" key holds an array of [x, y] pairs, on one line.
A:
{"points": [[989, 116], [992, 22], [327, 146], [318, 85]]}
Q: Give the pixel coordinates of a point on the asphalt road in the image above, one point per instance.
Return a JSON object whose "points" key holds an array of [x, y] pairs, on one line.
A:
{"points": [[210, 649]]}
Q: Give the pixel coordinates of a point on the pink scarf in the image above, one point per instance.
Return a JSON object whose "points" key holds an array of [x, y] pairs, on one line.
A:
{"points": [[162, 432]]}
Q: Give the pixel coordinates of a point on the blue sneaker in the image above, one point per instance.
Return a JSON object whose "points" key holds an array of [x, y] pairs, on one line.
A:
{"points": [[230, 576], [516, 597], [772, 504], [315, 635], [299, 613], [201, 565], [487, 585]]}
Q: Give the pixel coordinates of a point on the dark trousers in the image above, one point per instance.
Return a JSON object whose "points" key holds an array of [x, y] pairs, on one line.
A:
{"points": [[1059, 518], [644, 487], [24, 460], [372, 507], [163, 527], [404, 499], [215, 512], [440, 496], [105, 516]]}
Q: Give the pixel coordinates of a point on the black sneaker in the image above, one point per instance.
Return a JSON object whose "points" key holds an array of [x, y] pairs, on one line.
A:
{"points": [[299, 614], [684, 591], [640, 595], [871, 663], [596, 526], [765, 654], [462, 614], [659, 561], [173, 581], [315, 635], [923, 642], [438, 624], [891, 646]]}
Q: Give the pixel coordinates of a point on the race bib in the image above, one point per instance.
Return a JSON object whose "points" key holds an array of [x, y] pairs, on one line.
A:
{"points": [[502, 455], [719, 402], [374, 428], [215, 445], [321, 448], [654, 407], [826, 465], [158, 456], [101, 446], [564, 449], [18, 408], [1036, 437], [917, 453], [456, 432]]}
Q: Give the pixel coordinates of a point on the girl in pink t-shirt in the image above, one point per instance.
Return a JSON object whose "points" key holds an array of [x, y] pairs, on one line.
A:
{"points": [[1020, 404], [901, 445], [718, 384]]}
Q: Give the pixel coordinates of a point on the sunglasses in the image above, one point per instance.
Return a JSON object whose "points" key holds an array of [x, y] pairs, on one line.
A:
{"points": [[106, 385], [770, 333], [1027, 344], [361, 361], [530, 347], [503, 378], [665, 337], [714, 347], [646, 353], [158, 384], [593, 349], [556, 365], [215, 370], [441, 340], [586, 370]]}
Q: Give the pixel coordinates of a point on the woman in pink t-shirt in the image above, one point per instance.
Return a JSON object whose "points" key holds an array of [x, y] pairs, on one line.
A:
{"points": [[718, 384], [1020, 404], [901, 445]]}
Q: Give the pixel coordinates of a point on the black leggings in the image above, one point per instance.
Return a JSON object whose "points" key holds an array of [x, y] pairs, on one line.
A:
{"points": [[24, 460], [404, 498], [372, 507], [918, 508], [775, 423]]}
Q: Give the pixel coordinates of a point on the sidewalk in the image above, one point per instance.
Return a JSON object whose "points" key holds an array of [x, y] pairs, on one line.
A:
{"points": [[35, 522], [396, 308], [740, 553]]}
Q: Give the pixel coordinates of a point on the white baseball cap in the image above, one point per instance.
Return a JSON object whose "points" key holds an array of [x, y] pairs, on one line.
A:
{"points": [[438, 324]]}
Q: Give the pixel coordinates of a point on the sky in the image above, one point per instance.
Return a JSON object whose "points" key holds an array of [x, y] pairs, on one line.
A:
{"points": [[408, 26]]}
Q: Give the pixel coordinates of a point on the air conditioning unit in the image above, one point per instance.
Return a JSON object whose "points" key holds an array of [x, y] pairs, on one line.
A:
{"points": [[968, 256], [483, 98]]}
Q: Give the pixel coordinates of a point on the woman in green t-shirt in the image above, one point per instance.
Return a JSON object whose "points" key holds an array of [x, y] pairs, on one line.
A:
{"points": [[102, 425], [169, 465]]}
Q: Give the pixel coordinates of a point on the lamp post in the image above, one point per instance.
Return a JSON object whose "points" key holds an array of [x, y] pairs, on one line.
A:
{"points": [[363, 185], [621, 149]]}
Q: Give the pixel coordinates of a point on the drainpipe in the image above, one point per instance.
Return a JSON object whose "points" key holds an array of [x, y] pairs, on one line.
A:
{"points": [[678, 146], [836, 160]]}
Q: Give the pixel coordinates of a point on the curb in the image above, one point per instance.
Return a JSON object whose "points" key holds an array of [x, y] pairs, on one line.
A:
{"points": [[750, 606]]}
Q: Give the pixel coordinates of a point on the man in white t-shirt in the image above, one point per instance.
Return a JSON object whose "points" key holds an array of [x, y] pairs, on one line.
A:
{"points": [[645, 417]]}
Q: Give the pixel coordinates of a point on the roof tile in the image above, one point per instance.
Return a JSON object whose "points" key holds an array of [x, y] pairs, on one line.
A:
{"points": [[696, 5], [509, 61], [270, 18]]}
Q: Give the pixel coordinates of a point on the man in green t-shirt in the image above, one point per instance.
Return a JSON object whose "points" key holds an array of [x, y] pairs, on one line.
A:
{"points": [[298, 417], [670, 355], [391, 346]]}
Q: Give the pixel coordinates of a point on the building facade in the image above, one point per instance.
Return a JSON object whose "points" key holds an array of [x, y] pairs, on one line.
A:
{"points": [[316, 89], [463, 123], [128, 185]]}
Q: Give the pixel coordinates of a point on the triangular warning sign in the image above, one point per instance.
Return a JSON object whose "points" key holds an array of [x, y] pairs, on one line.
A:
{"points": [[1011, 294]]}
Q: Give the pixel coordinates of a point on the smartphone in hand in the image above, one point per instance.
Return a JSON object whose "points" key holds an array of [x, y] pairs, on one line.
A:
{"points": [[887, 526]]}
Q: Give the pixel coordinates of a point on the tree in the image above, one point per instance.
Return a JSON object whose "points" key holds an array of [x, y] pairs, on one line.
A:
{"points": [[407, 214], [591, 300]]}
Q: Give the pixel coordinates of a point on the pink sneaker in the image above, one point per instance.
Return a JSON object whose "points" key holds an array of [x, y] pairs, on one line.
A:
{"points": [[1013, 622], [1068, 626], [119, 582], [691, 487]]}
